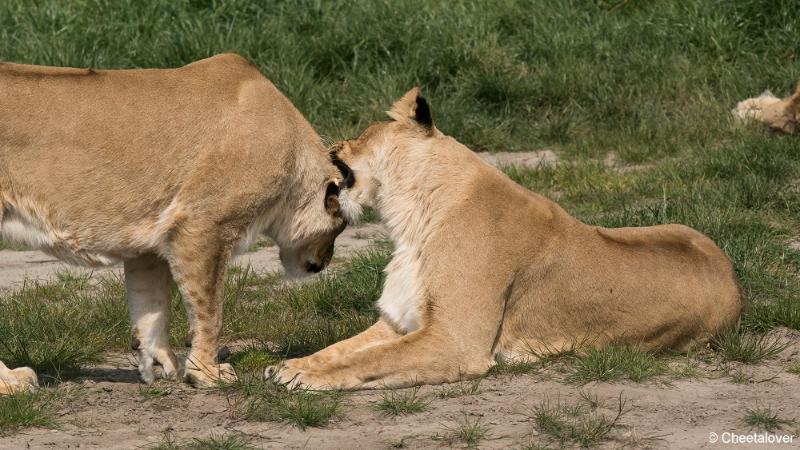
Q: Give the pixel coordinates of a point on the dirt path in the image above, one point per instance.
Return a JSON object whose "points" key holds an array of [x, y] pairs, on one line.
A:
{"points": [[110, 413]]}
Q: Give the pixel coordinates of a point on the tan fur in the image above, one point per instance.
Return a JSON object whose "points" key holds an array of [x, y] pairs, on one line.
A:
{"points": [[779, 115], [21, 379], [493, 271], [170, 171]]}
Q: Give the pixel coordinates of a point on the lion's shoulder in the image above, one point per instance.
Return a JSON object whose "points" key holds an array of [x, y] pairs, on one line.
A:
{"points": [[230, 61]]}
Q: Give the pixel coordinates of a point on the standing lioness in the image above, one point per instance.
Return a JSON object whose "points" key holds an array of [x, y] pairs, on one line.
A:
{"points": [[170, 171], [484, 268]]}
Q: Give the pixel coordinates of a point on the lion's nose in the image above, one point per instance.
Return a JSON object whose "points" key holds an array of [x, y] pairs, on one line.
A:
{"points": [[313, 267]]}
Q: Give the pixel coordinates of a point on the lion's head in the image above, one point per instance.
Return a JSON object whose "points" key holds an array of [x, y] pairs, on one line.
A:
{"points": [[411, 118], [306, 243], [778, 115]]}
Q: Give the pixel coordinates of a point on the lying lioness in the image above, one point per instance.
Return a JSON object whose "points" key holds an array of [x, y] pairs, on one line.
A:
{"points": [[484, 269], [170, 171], [776, 114]]}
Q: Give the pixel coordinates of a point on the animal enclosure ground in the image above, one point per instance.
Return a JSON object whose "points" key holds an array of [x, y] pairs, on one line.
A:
{"points": [[628, 106]]}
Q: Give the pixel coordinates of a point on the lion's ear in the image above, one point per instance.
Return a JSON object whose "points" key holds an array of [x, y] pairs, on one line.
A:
{"points": [[413, 106], [793, 108]]}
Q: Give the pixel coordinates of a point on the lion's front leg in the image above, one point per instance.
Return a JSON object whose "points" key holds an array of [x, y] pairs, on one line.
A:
{"points": [[454, 343], [422, 357], [378, 333], [198, 262], [147, 282]]}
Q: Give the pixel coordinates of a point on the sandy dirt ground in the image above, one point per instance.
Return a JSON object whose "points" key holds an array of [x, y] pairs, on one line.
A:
{"points": [[108, 411]]}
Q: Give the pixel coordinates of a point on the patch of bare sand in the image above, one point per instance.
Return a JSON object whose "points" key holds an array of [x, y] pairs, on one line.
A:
{"points": [[547, 157], [111, 414], [527, 159]]}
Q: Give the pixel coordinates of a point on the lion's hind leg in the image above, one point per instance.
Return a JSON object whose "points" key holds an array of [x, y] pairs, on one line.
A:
{"points": [[147, 281], [22, 379]]}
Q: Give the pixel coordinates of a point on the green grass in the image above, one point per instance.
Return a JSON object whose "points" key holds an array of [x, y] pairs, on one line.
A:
{"points": [[535, 362], [472, 432], [25, 410], [253, 360], [517, 74], [616, 363], [5, 245], [748, 348], [262, 400], [57, 327], [459, 389], [794, 368], [584, 364], [576, 424], [261, 243], [213, 442], [520, 367], [32, 409], [766, 419], [396, 403], [303, 319], [153, 391], [369, 216]]}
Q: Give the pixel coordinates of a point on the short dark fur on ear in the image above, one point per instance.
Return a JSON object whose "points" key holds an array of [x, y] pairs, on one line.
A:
{"points": [[413, 106], [332, 198], [422, 114], [347, 173]]}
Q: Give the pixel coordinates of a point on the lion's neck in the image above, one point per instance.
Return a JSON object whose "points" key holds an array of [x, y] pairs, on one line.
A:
{"points": [[409, 196]]}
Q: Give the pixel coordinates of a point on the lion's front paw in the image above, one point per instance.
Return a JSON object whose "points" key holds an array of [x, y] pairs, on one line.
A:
{"points": [[285, 372], [151, 359], [209, 375], [295, 376]]}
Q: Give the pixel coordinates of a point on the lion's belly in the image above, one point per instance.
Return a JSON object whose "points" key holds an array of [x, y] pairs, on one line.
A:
{"points": [[21, 229], [400, 299]]}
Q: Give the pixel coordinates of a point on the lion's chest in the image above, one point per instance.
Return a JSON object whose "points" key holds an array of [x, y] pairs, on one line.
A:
{"points": [[402, 292]]}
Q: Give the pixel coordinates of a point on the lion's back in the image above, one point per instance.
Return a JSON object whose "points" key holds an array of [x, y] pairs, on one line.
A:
{"points": [[93, 157]]}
